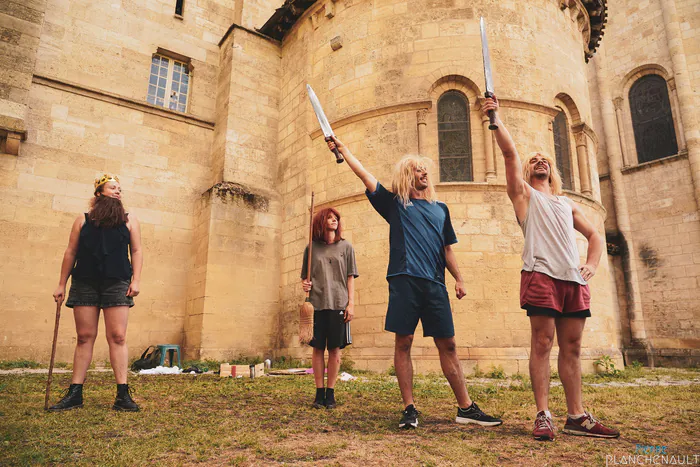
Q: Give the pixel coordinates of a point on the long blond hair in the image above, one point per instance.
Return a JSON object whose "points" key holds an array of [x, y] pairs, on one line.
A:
{"points": [[554, 176], [404, 179]]}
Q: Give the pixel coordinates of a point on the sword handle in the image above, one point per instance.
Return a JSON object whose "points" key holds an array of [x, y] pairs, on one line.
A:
{"points": [[338, 158], [492, 114]]}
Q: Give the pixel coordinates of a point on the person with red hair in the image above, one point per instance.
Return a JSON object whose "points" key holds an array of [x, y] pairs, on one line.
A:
{"points": [[333, 272]]}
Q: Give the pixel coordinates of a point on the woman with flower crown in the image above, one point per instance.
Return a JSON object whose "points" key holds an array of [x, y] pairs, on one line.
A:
{"points": [[103, 277]]}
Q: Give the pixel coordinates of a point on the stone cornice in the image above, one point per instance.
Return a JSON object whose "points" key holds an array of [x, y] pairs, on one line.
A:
{"points": [[525, 105], [255, 33], [427, 105], [284, 18], [467, 186], [597, 17], [375, 112], [664, 160], [122, 101], [595, 13]]}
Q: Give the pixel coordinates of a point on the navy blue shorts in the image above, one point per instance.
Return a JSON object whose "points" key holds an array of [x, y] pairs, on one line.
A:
{"points": [[412, 299]]}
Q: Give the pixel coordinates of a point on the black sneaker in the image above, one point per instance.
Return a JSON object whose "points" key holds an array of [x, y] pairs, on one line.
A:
{"points": [[473, 414], [124, 402], [72, 399], [409, 418]]}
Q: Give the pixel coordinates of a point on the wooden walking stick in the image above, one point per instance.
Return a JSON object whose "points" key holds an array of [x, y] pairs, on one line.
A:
{"points": [[53, 354], [306, 312]]}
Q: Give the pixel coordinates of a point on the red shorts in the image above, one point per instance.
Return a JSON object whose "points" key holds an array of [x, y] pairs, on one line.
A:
{"points": [[538, 290]]}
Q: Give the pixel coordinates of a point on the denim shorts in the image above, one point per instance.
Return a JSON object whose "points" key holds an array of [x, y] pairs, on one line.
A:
{"points": [[102, 293]]}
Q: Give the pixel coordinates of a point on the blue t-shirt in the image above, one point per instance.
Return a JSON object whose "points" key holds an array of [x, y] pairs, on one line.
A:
{"points": [[418, 235]]}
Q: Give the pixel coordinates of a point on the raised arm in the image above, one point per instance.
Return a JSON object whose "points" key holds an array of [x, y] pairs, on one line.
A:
{"points": [[595, 242], [517, 189], [367, 178]]}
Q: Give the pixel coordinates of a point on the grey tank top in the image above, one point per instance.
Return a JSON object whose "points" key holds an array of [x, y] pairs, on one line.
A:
{"points": [[550, 239]]}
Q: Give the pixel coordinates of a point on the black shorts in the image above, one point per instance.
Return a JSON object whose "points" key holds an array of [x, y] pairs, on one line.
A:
{"points": [[330, 330], [412, 299], [551, 312], [102, 293]]}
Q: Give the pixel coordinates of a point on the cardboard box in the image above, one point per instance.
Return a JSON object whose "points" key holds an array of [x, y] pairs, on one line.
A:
{"points": [[242, 371], [257, 370]]}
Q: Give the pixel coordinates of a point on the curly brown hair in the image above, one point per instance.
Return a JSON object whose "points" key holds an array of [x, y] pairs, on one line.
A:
{"points": [[106, 211]]}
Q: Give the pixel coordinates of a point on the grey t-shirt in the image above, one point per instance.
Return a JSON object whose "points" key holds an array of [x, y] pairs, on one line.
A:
{"points": [[330, 267]]}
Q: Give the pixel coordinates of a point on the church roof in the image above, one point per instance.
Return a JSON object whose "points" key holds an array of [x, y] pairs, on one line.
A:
{"points": [[598, 16], [287, 15], [284, 18]]}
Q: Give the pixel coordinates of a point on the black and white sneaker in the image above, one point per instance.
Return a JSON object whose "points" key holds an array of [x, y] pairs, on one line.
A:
{"points": [[473, 414], [409, 418]]}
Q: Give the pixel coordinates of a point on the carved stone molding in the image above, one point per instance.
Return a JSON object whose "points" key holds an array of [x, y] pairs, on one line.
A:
{"points": [[672, 84], [121, 101], [580, 139], [375, 112]]}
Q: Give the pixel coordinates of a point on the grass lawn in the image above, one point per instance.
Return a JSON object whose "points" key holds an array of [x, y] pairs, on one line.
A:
{"points": [[268, 421]]}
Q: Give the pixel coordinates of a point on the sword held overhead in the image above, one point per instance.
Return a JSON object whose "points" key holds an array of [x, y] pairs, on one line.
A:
{"points": [[488, 77], [323, 121]]}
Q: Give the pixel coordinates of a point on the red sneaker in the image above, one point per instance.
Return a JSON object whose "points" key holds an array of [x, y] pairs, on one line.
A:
{"points": [[589, 426], [544, 428]]}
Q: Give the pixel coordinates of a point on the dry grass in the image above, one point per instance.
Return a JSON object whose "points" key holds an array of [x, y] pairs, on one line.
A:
{"points": [[268, 421]]}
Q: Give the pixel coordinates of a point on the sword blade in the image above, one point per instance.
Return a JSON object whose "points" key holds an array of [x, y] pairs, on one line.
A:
{"points": [[318, 110], [488, 77]]}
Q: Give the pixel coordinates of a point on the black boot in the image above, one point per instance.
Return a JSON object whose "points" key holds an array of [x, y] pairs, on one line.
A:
{"points": [[330, 398], [124, 402], [320, 400], [72, 399]]}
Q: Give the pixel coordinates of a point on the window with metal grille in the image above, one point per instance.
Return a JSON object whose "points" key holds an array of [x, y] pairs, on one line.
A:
{"points": [[179, 5], [454, 138], [652, 120], [169, 83], [562, 148]]}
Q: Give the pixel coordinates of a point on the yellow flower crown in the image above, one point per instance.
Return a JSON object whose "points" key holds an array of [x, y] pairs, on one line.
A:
{"points": [[104, 179]]}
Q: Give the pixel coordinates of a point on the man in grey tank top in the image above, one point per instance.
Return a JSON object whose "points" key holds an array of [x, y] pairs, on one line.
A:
{"points": [[553, 285]]}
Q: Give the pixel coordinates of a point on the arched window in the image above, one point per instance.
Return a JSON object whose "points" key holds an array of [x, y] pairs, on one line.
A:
{"points": [[652, 119], [454, 138], [562, 148]]}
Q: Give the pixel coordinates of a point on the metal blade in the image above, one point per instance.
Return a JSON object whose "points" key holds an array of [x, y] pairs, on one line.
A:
{"points": [[322, 120], [488, 77]]}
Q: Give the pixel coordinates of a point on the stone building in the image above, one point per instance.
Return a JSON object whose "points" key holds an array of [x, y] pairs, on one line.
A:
{"points": [[199, 106]]}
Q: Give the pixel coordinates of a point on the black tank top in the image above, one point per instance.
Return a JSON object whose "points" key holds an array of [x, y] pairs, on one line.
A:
{"points": [[103, 253]]}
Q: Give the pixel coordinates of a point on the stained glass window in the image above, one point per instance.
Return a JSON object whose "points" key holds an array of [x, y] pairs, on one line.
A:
{"points": [[562, 148], [652, 120], [169, 78], [454, 138]]}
